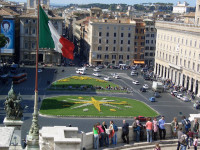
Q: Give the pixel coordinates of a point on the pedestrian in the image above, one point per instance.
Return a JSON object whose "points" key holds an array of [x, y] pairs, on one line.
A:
{"points": [[174, 127], [113, 129], [195, 143], [186, 124], [190, 138], [196, 127], [183, 141], [125, 132], [106, 131], [157, 147], [162, 130], [149, 127], [136, 129], [180, 133], [101, 134], [155, 129], [96, 137]]}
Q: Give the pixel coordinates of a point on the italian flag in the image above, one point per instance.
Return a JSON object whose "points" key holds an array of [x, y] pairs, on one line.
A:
{"points": [[49, 37]]}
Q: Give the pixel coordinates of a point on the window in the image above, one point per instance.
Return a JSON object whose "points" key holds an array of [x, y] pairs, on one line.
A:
{"points": [[122, 34], [113, 56], [99, 48], [107, 28], [98, 56], [151, 41], [152, 35], [107, 34], [188, 64], [114, 42], [100, 34], [127, 57], [26, 45], [142, 37], [26, 30], [136, 31], [128, 49], [120, 56], [107, 41], [115, 34], [34, 21], [129, 34], [33, 46], [26, 21], [147, 35], [180, 62], [106, 48], [33, 31], [121, 41], [135, 49], [198, 68], [106, 56], [99, 41], [121, 48], [193, 66], [129, 42], [113, 48], [146, 54], [146, 48], [151, 54], [190, 42], [136, 37], [147, 41]]}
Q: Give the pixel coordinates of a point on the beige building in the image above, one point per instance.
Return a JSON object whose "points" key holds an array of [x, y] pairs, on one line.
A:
{"points": [[111, 41], [178, 54]]}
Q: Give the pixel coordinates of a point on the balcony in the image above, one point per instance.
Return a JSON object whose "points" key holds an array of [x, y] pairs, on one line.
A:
{"points": [[175, 66]]}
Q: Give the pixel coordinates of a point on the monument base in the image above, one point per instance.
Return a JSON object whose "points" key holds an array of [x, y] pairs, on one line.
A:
{"points": [[32, 144], [17, 124]]}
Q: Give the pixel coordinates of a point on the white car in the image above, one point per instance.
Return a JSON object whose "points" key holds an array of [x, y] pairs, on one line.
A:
{"points": [[116, 76], [96, 69], [185, 99], [80, 72], [96, 74], [145, 86], [134, 73], [107, 78], [136, 82], [179, 96]]}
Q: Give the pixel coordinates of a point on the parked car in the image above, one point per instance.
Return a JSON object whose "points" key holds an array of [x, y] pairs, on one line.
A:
{"points": [[96, 74], [107, 78], [157, 95], [152, 99], [145, 86], [174, 93], [179, 96], [141, 118], [136, 82], [143, 90], [185, 99]]}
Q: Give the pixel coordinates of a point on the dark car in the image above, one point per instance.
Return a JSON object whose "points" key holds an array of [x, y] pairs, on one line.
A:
{"points": [[143, 90], [157, 95], [147, 78]]}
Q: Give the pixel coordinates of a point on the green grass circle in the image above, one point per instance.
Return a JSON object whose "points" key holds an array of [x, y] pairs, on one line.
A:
{"points": [[63, 106]]}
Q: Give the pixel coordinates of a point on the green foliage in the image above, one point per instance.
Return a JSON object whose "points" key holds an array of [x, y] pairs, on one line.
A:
{"points": [[102, 6], [3, 40], [62, 106]]}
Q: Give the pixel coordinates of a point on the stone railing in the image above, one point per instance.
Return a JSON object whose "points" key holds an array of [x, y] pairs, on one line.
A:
{"points": [[61, 138]]}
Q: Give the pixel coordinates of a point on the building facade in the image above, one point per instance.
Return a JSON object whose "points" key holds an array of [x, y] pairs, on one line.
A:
{"points": [[111, 41], [150, 42], [197, 13], [178, 54], [182, 8], [28, 30]]}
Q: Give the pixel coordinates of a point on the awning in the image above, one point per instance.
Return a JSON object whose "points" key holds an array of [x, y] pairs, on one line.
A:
{"points": [[138, 62]]}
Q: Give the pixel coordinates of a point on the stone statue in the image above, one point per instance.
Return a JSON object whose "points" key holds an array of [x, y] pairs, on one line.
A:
{"points": [[13, 108]]}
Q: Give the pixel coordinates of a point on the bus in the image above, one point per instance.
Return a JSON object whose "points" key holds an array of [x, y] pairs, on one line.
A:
{"points": [[19, 78]]}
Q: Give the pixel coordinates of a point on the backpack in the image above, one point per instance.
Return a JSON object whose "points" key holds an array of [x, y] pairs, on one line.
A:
{"points": [[188, 123], [115, 128], [183, 140]]}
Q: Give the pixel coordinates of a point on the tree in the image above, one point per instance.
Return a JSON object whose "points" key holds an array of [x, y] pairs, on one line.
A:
{"points": [[3, 40]]}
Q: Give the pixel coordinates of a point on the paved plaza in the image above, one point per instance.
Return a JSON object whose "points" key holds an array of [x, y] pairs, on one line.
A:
{"points": [[166, 105]]}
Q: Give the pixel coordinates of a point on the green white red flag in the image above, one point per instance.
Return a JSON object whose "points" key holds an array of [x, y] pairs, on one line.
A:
{"points": [[49, 37]]}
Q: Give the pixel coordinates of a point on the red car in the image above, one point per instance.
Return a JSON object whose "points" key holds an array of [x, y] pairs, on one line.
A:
{"points": [[141, 118]]}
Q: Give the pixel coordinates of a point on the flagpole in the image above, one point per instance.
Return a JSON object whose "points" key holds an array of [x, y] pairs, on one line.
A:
{"points": [[33, 136]]}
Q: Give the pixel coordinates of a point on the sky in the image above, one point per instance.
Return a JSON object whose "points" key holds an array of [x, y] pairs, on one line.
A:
{"points": [[131, 2]]}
